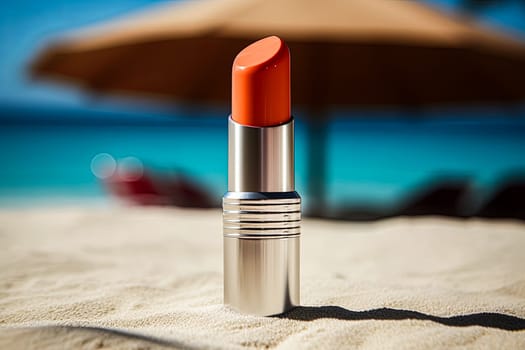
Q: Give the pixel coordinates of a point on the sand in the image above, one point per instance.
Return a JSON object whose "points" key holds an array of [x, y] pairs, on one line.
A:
{"points": [[151, 278]]}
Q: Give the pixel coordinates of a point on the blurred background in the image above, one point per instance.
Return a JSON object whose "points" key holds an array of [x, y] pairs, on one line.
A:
{"points": [[427, 118]]}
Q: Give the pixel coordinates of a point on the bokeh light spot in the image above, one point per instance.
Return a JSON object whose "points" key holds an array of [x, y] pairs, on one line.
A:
{"points": [[103, 165], [130, 168]]}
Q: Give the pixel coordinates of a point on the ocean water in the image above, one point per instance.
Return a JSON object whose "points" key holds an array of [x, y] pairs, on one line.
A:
{"points": [[376, 161]]}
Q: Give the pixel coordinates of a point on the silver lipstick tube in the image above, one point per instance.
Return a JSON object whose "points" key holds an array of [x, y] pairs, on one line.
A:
{"points": [[261, 220]]}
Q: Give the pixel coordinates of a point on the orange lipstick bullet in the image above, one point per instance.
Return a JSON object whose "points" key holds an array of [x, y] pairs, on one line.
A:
{"points": [[261, 84]]}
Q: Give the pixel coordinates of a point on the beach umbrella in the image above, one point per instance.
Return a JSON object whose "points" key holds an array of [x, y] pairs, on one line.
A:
{"points": [[358, 53], [351, 53]]}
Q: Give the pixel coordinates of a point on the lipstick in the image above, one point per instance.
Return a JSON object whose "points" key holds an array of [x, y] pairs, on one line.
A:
{"points": [[261, 210]]}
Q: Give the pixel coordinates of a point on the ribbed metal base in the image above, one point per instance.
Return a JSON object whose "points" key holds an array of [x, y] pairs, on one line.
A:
{"points": [[261, 251]]}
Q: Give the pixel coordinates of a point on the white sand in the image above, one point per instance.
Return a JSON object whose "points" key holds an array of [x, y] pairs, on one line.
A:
{"points": [[150, 278]]}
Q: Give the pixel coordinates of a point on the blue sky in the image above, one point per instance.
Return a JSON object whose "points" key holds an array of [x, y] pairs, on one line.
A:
{"points": [[25, 26]]}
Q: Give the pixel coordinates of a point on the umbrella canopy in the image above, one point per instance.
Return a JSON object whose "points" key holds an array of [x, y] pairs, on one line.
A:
{"points": [[350, 53]]}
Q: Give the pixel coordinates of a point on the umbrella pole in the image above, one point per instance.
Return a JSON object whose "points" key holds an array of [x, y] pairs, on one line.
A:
{"points": [[316, 138]]}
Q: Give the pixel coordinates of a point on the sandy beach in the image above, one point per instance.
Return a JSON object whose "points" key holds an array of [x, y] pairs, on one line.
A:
{"points": [[151, 278]]}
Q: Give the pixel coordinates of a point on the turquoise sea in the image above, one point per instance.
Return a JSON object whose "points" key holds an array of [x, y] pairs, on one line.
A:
{"points": [[373, 158]]}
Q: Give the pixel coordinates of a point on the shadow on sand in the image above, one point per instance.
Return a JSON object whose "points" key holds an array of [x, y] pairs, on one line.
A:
{"points": [[114, 338], [484, 319]]}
